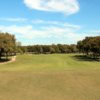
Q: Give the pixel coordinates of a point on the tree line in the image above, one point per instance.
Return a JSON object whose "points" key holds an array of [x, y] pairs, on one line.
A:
{"points": [[90, 44], [44, 49], [9, 46]]}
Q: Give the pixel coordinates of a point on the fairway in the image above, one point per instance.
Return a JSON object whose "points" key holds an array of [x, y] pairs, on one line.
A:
{"points": [[46, 62], [50, 77]]}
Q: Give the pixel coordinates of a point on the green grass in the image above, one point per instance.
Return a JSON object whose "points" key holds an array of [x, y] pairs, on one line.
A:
{"points": [[50, 77], [50, 62]]}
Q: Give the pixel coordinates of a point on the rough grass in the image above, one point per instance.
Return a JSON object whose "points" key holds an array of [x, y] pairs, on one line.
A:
{"points": [[50, 77]]}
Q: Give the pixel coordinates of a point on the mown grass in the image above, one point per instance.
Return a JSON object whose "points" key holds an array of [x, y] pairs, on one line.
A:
{"points": [[50, 62], [50, 85], [50, 77]]}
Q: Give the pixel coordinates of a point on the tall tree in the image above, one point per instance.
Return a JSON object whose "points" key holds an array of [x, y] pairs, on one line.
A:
{"points": [[80, 46], [95, 45], [6, 43]]}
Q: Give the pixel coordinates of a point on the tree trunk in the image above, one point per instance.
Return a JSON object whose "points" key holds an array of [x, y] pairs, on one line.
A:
{"points": [[90, 54], [0, 55], [15, 53], [6, 56], [94, 55], [99, 57], [83, 54], [87, 54]]}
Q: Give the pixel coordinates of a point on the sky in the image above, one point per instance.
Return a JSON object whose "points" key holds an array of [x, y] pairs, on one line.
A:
{"points": [[47, 22]]}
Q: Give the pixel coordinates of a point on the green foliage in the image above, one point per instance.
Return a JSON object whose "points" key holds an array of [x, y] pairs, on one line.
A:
{"points": [[52, 50], [80, 46], [23, 49], [41, 50], [18, 44], [7, 43], [91, 44]]}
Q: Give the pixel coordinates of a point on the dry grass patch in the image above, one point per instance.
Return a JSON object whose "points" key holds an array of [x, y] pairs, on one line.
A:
{"points": [[50, 85]]}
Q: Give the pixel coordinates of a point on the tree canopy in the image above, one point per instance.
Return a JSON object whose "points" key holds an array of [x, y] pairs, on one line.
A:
{"points": [[90, 44], [7, 43]]}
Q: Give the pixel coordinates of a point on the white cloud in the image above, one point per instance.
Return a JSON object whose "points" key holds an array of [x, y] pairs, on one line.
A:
{"points": [[38, 21], [56, 23], [24, 31], [65, 6], [96, 31], [76, 36], [29, 32], [16, 29], [56, 30], [13, 19], [46, 22]]}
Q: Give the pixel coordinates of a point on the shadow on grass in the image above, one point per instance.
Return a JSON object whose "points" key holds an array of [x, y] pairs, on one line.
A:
{"points": [[84, 58], [4, 60], [8, 55]]}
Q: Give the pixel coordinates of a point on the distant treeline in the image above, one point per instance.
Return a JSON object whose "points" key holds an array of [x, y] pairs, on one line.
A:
{"points": [[9, 46], [59, 48], [90, 44]]}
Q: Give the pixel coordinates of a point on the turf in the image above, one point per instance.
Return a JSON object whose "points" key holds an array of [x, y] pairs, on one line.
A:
{"points": [[50, 85], [50, 77], [50, 62]]}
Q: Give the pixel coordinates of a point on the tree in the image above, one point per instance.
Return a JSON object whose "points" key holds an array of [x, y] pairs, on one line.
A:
{"points": [[86, 45], [23, 49], [18, 43], [62, 48], [6, 43], [46, 48], [80, 46], [87, 48], [73, 48], [95, 45], [41, 50], [57, 50], [52, 50], [1, 43]]}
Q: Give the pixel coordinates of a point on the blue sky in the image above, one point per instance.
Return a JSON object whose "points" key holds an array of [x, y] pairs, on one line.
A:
{"points": [[50, 21]]}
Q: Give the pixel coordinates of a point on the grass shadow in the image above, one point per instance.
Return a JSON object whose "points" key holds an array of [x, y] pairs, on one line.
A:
{"points": [[4, 60], [84, 58]]}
